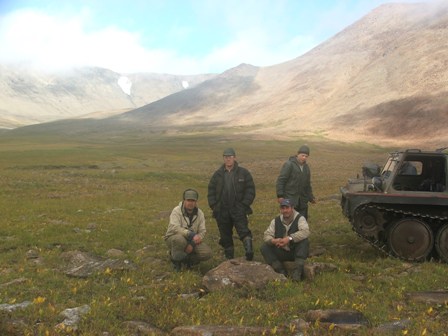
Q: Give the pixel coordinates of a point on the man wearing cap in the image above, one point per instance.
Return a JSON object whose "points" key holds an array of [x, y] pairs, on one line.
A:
{"points": [[294, 181], [231, 191], [185, 234], [286, 239]]}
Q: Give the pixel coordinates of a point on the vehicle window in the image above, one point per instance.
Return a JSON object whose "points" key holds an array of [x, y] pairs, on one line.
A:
{"points": [[411, 168]]}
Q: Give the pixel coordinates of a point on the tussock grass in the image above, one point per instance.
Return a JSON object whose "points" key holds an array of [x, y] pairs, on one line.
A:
{"points": [[93, 195]]}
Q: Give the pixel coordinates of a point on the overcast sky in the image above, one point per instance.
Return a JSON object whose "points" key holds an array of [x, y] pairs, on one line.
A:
{"points": [[169, 36]]}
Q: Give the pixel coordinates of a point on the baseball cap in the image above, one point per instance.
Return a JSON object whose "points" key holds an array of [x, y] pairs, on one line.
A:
{"points": [[229, 152], [191, 194], [286, 202]]}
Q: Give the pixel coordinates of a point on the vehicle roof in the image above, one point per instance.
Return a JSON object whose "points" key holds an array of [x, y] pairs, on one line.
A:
{"points": [[439, 151]]}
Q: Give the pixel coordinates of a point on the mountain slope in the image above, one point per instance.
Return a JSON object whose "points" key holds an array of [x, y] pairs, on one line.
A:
{"points": [[390, 63], [29, 96], [383, 79]]}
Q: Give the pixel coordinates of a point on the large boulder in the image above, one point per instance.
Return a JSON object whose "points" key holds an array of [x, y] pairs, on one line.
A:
{"points": [[238, 273]]}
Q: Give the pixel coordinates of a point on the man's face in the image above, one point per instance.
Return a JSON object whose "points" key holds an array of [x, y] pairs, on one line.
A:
{"points": [[190, 204], [286, 211], [229, 160], [301, 157]]}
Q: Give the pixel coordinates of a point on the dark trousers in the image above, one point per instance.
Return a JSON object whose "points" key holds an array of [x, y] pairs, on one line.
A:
{"points": [[303, 211], [227, 219], [272, 254]]}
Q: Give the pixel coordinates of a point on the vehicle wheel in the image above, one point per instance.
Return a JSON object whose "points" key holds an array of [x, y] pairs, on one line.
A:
{"points": [[368, 222], [410, 239], [442, 243]]}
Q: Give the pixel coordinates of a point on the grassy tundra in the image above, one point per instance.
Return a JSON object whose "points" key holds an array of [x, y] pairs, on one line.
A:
{"points": [[94, 195]]}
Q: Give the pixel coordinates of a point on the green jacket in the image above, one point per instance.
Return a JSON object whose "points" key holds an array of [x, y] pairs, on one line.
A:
{"points": [[295, 184]]}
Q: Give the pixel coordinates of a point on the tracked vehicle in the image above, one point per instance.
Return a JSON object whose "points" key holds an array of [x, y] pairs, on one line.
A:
{"points": [[402, 207]]}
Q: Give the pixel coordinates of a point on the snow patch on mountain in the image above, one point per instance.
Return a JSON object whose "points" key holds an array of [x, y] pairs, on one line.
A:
{"points": [[125, 84], [185, 84]]}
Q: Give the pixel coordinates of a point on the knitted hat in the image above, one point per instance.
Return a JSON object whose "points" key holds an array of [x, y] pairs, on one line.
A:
{"points": [[304, 150]]}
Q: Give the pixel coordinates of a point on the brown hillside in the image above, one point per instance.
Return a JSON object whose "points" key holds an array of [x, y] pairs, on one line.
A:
{"points": [[384, 79], [388, 69]]}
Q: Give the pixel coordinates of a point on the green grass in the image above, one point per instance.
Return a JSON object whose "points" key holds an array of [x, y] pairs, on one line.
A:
{"points": [[92, 195]]}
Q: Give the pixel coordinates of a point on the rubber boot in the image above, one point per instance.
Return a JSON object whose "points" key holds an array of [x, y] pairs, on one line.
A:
{"points": [[229, 252], [278, 267], [249, 249], [297, 273], [190, 261]]}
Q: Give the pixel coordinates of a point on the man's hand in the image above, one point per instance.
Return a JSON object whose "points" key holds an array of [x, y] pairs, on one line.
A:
{"points": [[280, 242], [197, 239]]}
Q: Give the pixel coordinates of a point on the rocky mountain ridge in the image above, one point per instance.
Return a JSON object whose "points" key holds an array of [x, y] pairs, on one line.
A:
{"points": [[29, 96]]}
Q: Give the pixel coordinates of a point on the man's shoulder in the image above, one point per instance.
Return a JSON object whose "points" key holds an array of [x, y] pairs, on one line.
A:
{"points": [[220, 170], [292, 161], [178, 207], [243, 170], [216, 174]]}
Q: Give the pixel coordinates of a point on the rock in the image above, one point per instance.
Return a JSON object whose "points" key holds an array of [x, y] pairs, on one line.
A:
{"points": [[219, 331], [240, 273], [437, 297], [13, 282], [392, 326], [82, 265], [295, 327], [188, 296], [72, 317], [12, 307], [311, 269], [343, 319], [32, 254], [114, 253], [139, 328]]}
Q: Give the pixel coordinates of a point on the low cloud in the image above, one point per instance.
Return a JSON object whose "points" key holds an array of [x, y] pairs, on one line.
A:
{"points": [[35, 38], [40, 40], [250, 32]]}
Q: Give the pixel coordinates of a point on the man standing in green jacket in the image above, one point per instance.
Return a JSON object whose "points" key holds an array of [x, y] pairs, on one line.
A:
{"points": [[294, 181]]}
